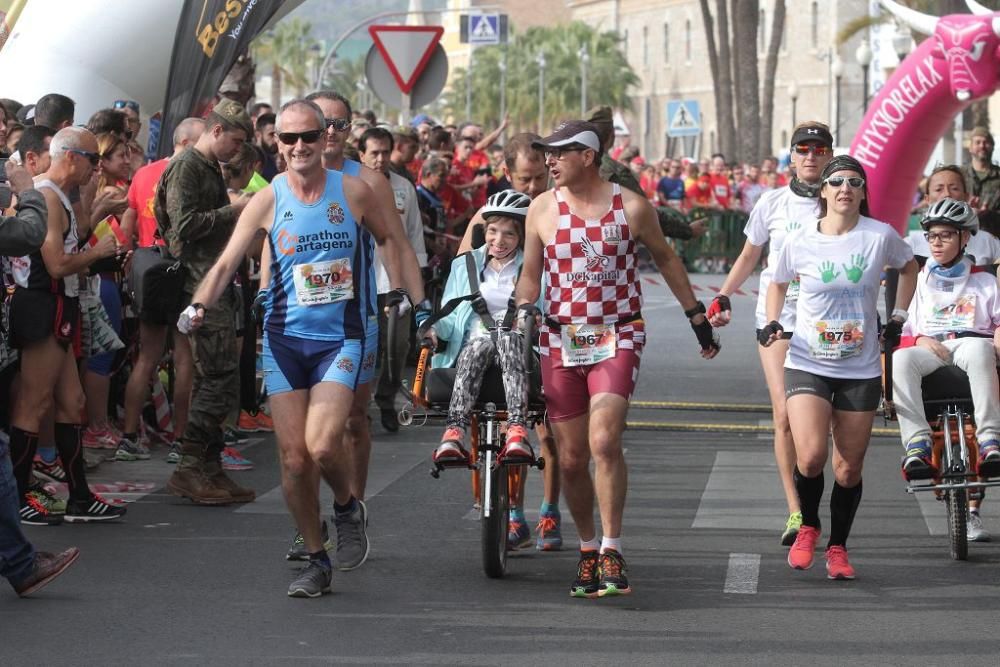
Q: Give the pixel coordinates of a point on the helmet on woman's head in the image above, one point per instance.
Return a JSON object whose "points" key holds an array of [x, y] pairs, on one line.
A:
{"points": [[507, 203], [951, 212]]}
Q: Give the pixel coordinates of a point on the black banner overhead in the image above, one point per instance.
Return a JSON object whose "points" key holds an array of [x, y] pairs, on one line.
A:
{"points": [[211, 34]]}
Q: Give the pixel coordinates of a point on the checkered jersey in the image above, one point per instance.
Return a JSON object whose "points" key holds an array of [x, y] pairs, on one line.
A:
{"points": [[591, 274]]}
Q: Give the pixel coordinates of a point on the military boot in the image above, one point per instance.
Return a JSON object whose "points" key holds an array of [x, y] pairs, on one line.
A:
{"points": [[188, 481], [215, 475]]}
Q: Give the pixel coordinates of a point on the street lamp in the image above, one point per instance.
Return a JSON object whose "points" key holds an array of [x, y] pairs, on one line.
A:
{"points": [[837, 70], [541, 91], [902, 42], [503, 84], [584, 56], [864, 56], [793, 92]]}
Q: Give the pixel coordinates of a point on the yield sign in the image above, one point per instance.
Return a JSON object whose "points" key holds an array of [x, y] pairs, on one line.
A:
{"points": [[406, 50]]}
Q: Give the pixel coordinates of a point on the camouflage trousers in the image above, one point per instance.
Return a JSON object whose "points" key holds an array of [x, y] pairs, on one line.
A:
{"points": [[216, 389]]}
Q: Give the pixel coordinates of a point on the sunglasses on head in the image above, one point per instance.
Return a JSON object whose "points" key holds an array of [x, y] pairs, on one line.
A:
{"points": [[94, 158], [307, 137], [854, 182], [815, 149], [338, 124], [127, 104]]}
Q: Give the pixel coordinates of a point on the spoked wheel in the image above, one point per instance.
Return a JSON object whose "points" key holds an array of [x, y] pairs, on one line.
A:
{"points": [[494, 533], [958, 511]]}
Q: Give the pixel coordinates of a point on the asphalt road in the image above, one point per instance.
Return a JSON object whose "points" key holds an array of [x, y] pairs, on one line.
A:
{"points": [[179, 584]]}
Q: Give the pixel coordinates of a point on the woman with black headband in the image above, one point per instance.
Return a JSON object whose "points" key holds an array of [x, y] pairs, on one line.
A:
{"points": [[775, 215], [833, 371]]}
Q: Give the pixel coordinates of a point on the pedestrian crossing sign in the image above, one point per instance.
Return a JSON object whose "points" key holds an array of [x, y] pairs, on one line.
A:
{"points": [[683, 118], [484, 29]]}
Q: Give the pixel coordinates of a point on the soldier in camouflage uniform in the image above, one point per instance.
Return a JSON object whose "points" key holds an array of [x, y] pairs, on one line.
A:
{"points": [[672, 223], [982, 180], [196, 219]]}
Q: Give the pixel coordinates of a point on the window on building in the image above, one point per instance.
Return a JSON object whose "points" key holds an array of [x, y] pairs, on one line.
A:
{"points": [[645, 45], [762, 32], [814, 25], [666, 43], [687, 40]]}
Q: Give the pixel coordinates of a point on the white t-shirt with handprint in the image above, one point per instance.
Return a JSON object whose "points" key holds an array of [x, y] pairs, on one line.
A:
{"points": [[775, 215], [836, 317]]}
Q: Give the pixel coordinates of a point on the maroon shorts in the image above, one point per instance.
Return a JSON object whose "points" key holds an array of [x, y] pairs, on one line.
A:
{"points": [[568, 390]]}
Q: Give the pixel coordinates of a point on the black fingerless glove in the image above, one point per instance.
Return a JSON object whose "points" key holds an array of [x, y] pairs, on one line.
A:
{"points": [[708, 338], [892, 330], [257, 308], [396, 296], [773, 327]]}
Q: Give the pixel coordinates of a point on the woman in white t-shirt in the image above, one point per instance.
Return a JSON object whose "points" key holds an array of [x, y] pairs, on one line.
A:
{"points": [[953, 321], [833, 370], [775, 215]]}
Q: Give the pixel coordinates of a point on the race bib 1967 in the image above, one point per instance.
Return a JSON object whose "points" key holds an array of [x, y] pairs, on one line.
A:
{"points": [[319, 283], [587, 344]]}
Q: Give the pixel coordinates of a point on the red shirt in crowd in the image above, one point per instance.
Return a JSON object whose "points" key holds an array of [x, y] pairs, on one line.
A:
{"points": [[699, 193], [721, 190], [141, 195]]}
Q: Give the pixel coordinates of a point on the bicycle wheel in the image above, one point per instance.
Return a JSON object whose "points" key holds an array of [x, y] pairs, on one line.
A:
{"points": [[958, 511], [494, 531]]}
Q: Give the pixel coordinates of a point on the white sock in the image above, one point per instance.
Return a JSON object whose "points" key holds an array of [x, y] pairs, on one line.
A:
{"points": [[611, 543], [590, 545]]}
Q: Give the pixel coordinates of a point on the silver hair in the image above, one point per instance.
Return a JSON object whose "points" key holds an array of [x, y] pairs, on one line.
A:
{"points": [[308, 104], [68, 138]]}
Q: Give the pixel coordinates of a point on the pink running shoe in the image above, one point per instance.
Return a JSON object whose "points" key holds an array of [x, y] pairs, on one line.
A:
{"points": [[837, 566], [99, 439], [800, 556]]}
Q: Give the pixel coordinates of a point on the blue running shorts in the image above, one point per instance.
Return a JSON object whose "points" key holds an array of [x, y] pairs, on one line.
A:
{"points": [[299, 363]]}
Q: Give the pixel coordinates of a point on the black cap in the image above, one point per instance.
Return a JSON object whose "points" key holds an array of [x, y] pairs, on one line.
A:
{"points": [[814, 133], [571, 133]]}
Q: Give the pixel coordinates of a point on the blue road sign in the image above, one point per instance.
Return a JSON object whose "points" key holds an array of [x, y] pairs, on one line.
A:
{"points": [[683, 118], [484, 29]]}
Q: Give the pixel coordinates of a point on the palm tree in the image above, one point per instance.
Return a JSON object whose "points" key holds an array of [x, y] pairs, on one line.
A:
{"points": [[290, 50]]}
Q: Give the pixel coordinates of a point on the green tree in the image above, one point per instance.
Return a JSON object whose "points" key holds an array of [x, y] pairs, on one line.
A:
{"points": [[609, 77], [291, 52]]}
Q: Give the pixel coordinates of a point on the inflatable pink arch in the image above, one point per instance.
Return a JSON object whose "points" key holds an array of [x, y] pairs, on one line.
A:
{"points": [[959, 64]]}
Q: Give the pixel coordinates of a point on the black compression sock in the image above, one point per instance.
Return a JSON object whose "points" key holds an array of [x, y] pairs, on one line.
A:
{"points": [[843, 506], [810, 490], [321, 557], [70, 445], [23, 445], [345, 509]]}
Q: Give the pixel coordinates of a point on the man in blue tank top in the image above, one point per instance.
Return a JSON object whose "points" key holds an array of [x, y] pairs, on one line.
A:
{"points": [[320, 331]]}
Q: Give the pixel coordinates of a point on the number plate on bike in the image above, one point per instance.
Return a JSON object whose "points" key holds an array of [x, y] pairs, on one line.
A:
{"points": [[837, 339], [319, 283], [587, 344]]}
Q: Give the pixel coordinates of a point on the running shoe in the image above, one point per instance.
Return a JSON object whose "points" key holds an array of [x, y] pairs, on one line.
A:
{"points": [[312, 582], [518, 533], [99, 439], [791, 529], [129, 450], [837, 566], [352, 537], [800, 556], [586, 583], [232, 437], [174, 455], [917, 462], [612, 579], [451, 449], [53, 503], [298, 549], [264, 422], [50, 472], [247, 422], [233, 460], [92, 510], [974, 530], [549, 532], [36, 510], [989, 458], [516, 449]]}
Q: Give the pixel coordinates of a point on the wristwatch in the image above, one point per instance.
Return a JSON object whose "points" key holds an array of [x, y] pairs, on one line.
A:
{"points": [[698, 308]]}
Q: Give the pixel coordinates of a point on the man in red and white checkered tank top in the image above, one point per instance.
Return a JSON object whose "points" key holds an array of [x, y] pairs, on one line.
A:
{"points": [[584, 235]]}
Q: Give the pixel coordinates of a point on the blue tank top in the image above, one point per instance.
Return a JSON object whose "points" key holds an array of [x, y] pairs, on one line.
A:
{"points": [[323, 273]]}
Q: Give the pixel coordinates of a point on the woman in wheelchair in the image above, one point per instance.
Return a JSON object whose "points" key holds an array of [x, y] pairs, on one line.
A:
{"points": [[472, 346], [952, 320]]}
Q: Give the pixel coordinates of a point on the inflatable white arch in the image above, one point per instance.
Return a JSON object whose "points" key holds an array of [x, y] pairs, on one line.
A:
{"points": [[943, 76]]}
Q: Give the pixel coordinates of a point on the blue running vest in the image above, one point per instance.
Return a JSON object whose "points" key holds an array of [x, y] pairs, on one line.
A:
{"points": [[323, 272]]}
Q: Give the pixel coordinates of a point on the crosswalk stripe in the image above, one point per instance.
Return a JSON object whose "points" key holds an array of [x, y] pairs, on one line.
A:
{"points": [[742, 574]]}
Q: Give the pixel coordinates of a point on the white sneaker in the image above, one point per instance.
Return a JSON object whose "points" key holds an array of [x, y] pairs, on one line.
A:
{"points": [[974, 529]]}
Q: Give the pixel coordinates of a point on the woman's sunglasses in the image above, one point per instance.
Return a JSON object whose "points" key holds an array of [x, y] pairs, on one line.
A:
{"points": [[854, 182]]}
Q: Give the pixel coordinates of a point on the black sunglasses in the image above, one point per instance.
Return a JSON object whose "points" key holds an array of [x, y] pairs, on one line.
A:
{"points": [[127, 104], [292, 138], [338, 124], [94, 158]]}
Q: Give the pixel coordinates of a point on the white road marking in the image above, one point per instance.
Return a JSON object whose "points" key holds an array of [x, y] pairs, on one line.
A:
{"points": [[741, 576], [743, 492]]}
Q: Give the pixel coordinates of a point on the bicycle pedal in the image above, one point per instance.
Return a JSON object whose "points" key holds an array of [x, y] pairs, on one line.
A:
{"points": [[540, 463]]}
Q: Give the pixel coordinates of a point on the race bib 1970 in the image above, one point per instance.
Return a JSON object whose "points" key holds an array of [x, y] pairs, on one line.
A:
{"points": [[320, 283]]}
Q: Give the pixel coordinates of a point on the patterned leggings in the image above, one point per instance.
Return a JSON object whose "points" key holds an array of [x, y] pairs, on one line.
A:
{"points": [[473, 360]]}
